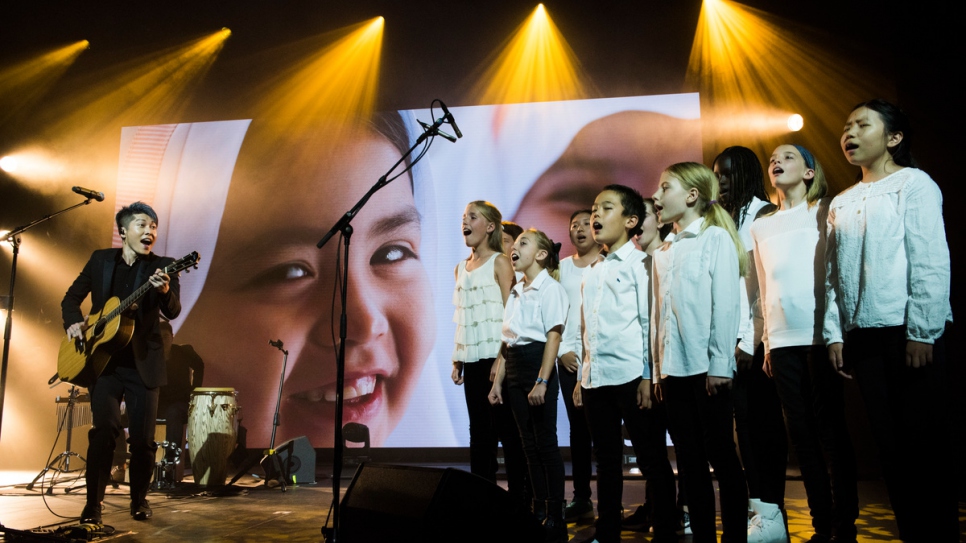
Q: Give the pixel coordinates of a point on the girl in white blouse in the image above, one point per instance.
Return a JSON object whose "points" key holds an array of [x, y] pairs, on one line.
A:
{"points": [[694, 323], [887, 288], [789, 251], [533, 322]]}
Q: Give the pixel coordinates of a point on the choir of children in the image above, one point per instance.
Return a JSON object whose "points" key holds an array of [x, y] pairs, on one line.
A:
{"points": [[663, 337]]}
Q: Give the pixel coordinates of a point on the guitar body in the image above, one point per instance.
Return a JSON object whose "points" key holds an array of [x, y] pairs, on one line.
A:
{"points": [[81, 362]]}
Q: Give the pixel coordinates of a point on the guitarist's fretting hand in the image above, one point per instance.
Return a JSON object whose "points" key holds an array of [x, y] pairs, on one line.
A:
{"points": [[160, 281]]}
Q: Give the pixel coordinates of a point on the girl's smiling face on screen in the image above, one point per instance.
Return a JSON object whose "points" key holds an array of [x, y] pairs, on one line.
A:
{"points": [[269, 281]]}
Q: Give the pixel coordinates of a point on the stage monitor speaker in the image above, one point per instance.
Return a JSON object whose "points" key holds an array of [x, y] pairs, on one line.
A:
{"points": [[429, 505], [297, 459]]}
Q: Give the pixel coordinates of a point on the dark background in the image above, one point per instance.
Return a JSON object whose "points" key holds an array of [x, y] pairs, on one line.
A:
{"points": [[432, 49]]}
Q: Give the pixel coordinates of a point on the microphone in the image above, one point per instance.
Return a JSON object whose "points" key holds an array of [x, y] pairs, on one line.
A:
{"points": [[449, 118], [437, 131], [275, 343], [88, 193]]}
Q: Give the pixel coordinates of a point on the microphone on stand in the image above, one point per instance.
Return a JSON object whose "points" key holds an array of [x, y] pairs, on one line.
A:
{"points": [[449, 118], [429, 128], [88, 193]]}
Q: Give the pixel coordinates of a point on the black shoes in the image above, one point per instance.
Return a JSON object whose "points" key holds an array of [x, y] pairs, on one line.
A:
{"points": [[141, 511], [639, 521], [555, 530], [91, 514], [579, 511]]}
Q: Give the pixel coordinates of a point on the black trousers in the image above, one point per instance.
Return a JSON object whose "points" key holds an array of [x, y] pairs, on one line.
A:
{"points": [[909, 412], [812, 397], [760, 428], [606, 407], [490, 425], [702, 427], [580, 442], [537, 425], [115, 384]]}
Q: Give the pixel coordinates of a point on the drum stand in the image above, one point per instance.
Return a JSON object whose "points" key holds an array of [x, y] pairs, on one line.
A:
{"points": [[270, 452], [61, 463]]}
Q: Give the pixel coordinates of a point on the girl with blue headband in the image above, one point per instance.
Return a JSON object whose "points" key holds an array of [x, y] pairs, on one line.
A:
{"points": [[789, 249]]}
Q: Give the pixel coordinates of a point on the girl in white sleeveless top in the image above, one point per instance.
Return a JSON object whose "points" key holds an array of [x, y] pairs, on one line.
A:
{"points": [[483, 283]]}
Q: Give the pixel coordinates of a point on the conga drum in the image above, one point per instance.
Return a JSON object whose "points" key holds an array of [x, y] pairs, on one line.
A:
{"points": [[211, 433]]}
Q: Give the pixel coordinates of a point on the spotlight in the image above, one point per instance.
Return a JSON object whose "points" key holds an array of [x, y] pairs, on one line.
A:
{"points": [[8, 164], [795, 122]]}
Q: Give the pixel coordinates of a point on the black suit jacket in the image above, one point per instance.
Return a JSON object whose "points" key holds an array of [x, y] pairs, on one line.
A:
{"points": [[95, 280]]}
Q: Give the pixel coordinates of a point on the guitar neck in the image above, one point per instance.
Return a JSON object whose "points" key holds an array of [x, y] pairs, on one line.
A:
{"points": [[129, 301]]}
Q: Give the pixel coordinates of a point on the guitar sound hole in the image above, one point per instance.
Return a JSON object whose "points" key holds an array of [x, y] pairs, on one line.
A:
{"points": [[98, 329]]}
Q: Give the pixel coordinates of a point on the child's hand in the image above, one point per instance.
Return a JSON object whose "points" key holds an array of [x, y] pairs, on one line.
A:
{"points": [[836, 359], [496, 394], [537, 394], [658, 393], [766, 367], [578, 396], [714, 383], [644, 394], [918, 354], [743, 359], [457, 373], [570, 362]]}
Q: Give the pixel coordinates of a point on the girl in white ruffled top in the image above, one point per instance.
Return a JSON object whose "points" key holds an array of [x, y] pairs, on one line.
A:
{"points": [[483, 283]]}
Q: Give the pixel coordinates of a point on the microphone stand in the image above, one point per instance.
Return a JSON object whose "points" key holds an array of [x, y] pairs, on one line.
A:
{"points": [[14, 239], [270, 452], [343, 226]]}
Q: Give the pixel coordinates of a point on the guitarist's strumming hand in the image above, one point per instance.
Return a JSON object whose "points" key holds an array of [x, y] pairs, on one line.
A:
{"points": [[76, 330], [160, 281]]}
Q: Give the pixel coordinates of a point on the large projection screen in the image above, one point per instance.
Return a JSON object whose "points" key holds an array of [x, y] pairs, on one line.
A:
{"points": [[254, 203]]}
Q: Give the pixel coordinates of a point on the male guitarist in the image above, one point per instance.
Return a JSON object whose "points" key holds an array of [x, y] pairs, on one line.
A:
{"points": [[135, 372]]}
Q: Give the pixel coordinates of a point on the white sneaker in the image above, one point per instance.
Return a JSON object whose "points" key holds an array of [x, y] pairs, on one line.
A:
{"points": [[767, 525], [685, 524]]}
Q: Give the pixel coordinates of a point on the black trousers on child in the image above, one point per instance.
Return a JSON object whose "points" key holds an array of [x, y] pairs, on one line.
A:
{"points": [[537, 425], [760, 427], [490, 425], [702, 427], [908, 410], [606, 407], [813, 400], [580, 443]]}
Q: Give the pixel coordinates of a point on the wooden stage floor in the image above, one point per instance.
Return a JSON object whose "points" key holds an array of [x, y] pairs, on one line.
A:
{"points": [[259, 513]]}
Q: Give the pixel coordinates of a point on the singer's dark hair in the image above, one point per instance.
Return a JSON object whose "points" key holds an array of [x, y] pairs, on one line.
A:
{"points": [[124, 216], [512, 229], [633, 204], [747, 181], [895, 120]]}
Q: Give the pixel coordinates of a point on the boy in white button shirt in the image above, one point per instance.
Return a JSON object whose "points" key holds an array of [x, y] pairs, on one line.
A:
{"points": [[616, 372]]}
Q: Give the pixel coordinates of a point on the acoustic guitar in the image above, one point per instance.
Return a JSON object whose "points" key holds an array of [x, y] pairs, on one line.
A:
{"points": [[81, 360]]}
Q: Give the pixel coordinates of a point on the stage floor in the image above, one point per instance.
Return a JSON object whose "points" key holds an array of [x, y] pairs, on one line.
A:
{"points": [[259, 513]]}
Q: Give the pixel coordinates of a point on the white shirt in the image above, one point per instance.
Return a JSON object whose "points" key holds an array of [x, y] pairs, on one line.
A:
{"points": [[615, 319], [694, 320], [571, 277], [887, 261], [533, 310], [749, 330], [790, 263]]}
